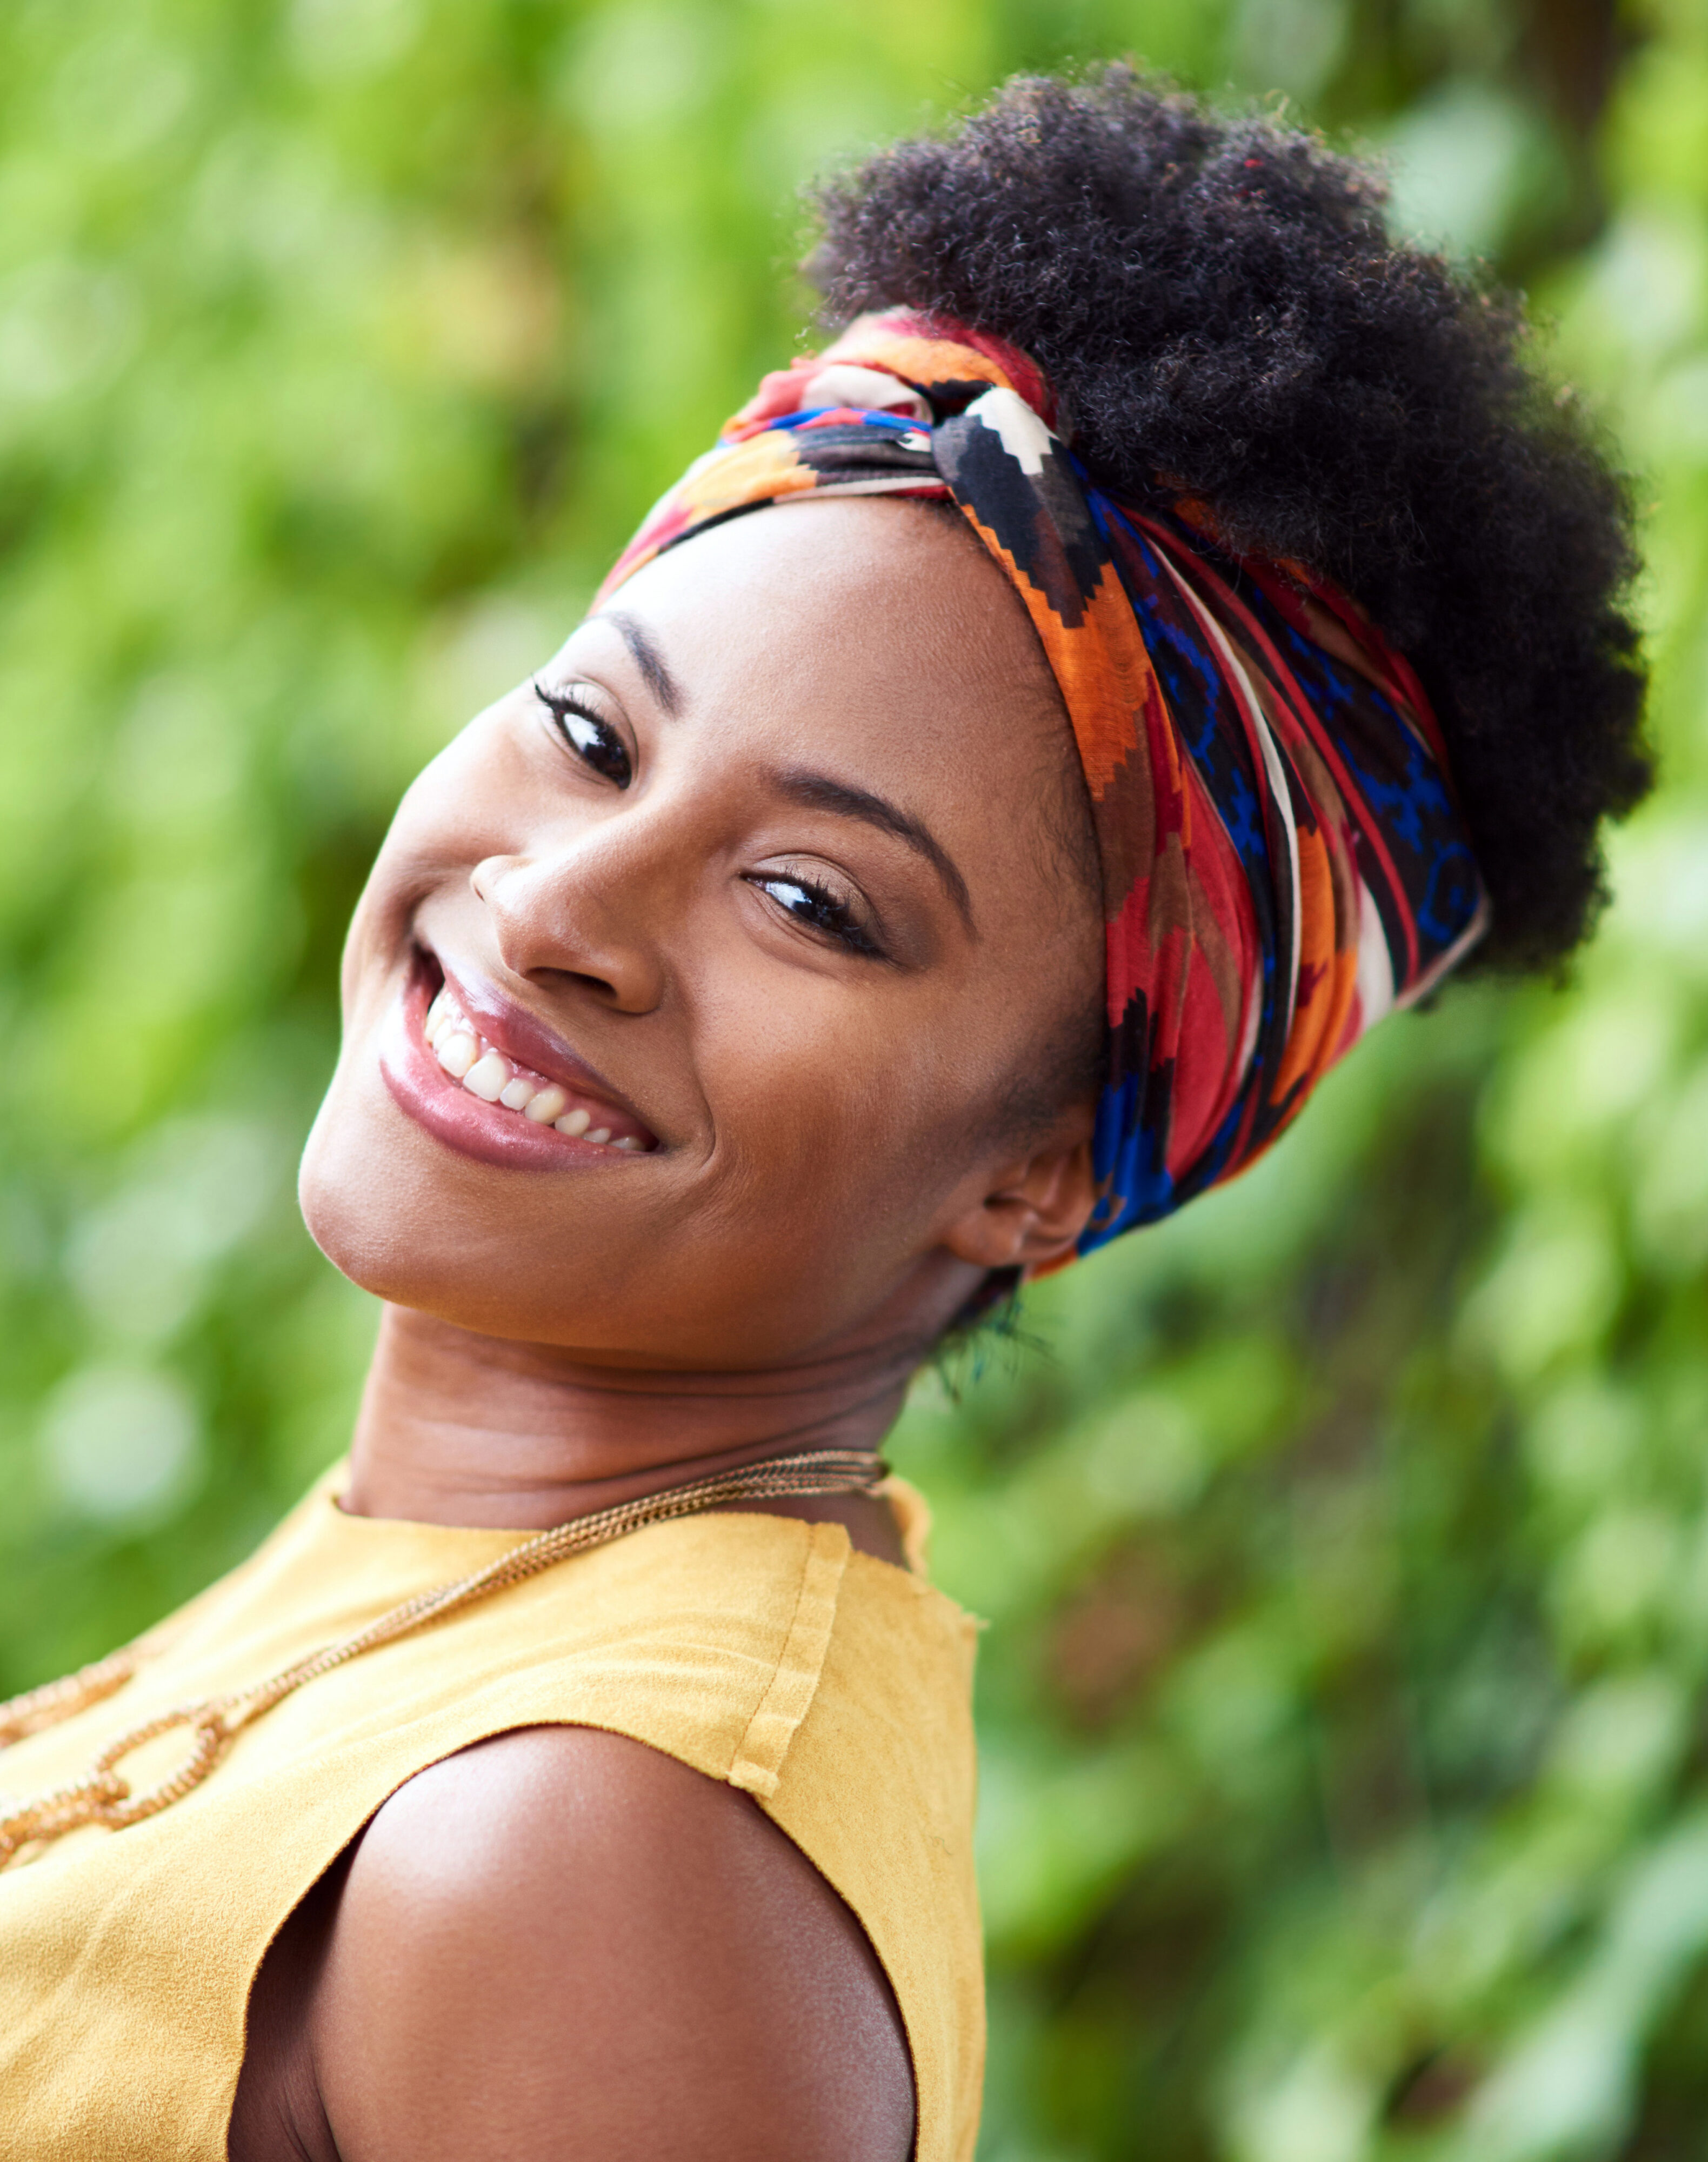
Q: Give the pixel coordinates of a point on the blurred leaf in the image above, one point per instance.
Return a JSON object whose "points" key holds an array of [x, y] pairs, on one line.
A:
{"points": [[1344, 1540]]}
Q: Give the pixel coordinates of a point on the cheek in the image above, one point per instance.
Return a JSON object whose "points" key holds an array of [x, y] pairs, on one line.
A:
{"points": [[845, 1110]]}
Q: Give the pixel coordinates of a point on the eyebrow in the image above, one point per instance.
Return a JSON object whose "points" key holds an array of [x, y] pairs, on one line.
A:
{"points": [[817, 791], [647, 659]]}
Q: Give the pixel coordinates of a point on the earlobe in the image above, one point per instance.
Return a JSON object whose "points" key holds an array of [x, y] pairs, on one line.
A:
{"points": [[1033, 1214]]}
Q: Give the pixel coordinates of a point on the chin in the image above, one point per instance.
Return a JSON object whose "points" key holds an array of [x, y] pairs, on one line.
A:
{"points": [[381, 1219], [356, 1208], [388, 1220]]}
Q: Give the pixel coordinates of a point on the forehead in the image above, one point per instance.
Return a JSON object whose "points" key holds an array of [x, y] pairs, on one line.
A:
{"points": [[876, 630]]}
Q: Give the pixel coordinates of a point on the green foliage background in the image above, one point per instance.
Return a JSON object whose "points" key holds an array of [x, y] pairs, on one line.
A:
{"points": [[1345, 1543]]}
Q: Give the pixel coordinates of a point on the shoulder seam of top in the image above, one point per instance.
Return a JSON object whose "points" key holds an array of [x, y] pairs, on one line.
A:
{"points": [[760, 1754]]}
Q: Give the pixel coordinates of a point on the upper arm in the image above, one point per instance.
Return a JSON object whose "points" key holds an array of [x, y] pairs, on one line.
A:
{"points": [[562, 1943]]}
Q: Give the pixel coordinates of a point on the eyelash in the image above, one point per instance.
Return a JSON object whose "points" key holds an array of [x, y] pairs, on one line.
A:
{"points": [[596, 754], [831, 917]]}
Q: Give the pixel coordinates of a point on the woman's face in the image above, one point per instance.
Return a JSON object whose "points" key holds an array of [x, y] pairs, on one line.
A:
{"points": [[767, 881]]}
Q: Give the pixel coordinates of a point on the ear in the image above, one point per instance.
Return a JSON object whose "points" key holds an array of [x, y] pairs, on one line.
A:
{"points": [[1034, 1212]]}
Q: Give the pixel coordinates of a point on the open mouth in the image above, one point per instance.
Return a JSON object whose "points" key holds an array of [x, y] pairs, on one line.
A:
{"points": [[484, 1071], [445, 1068]]}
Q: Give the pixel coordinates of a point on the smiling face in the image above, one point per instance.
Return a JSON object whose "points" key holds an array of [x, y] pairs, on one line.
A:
{"points": [[776, 878]]}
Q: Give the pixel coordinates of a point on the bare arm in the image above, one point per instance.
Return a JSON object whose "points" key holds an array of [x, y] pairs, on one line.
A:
{"points": [[561, 1944]]}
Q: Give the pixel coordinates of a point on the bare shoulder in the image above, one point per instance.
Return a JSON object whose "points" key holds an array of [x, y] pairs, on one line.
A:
{"points": [[562, 1943]]}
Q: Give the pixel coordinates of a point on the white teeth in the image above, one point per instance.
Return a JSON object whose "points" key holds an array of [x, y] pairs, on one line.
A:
{"points": [[456, 1052], [487, 1073], [488, 1077], [445, 1018]]}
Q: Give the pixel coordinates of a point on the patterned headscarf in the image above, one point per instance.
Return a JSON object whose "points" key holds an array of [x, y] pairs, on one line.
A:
{"points": [[1282, 860]]}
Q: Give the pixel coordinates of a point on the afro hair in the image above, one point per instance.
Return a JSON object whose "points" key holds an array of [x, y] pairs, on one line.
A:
{"points": [[1222, 311]]}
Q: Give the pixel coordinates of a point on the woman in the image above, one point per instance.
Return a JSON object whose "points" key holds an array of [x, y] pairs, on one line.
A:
{"points": [[979, 808]]}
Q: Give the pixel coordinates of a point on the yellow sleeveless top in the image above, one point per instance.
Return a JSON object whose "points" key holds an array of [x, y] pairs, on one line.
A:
{"points": [[760, 1650]]}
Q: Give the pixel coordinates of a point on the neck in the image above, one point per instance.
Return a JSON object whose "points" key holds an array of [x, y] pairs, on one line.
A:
{"points": [[460, 1428]]}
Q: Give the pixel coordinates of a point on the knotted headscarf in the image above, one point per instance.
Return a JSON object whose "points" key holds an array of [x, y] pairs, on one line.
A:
{"points": [[1283, 858]]}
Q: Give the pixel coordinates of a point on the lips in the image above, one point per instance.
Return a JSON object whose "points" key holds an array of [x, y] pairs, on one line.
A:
{"points": [[492, 1082]]}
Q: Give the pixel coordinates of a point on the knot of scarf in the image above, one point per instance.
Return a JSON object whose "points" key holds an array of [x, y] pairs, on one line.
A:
{"points": [[1282, 860]]}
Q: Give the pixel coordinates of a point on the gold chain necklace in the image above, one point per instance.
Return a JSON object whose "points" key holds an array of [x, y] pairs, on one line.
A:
{"points": [[103, 1796]]}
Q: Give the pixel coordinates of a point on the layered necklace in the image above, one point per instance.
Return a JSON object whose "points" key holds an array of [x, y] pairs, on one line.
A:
{"points": [[103, 1796]]}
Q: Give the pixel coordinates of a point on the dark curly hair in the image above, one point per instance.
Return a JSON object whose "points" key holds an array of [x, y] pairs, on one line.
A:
{"points": [[1217, 300]]}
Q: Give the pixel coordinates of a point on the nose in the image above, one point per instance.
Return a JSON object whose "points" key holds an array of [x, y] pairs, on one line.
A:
{"points": [[591, 913]]}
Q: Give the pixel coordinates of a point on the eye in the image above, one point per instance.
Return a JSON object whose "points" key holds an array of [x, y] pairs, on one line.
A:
{"points": [[593, 738], [819, 910]]}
